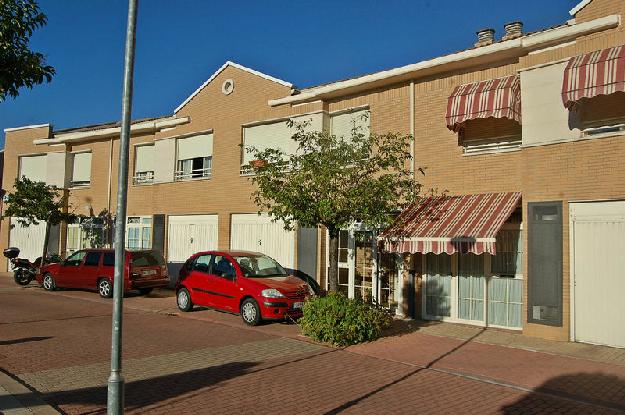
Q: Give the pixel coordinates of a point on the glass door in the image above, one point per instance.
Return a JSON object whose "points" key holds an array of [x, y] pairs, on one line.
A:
{"points": [[363, 265], [438, 286], [471, 283], [388, 272]]}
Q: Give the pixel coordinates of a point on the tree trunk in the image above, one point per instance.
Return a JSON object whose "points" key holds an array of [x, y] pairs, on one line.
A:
{"points": [[45, 244], [333, 249]]}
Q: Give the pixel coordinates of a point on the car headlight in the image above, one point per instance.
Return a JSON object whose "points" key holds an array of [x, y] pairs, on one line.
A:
{"points": [[271, 293]]}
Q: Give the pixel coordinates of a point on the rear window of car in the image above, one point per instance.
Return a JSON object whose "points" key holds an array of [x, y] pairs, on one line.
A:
{"points": [[146, 259]]}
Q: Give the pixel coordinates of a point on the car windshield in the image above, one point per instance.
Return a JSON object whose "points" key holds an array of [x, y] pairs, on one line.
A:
{"points": [[259, 266], [146, 259]]}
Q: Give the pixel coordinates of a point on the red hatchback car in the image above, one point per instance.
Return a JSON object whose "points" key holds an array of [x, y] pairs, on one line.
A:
{"points": [[251, 284], [91, 269]]}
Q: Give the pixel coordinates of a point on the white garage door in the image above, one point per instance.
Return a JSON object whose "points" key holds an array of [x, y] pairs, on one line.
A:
{"points": [[251, 232], [28, 239], [598, 261], [189, 234]]}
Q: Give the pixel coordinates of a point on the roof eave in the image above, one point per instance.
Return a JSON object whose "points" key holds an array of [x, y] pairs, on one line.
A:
{"points": [[141, 127]]}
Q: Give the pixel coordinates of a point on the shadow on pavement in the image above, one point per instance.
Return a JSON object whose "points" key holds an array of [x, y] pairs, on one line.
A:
{"points": [[577, 392], [142, 393], [23, 340]]}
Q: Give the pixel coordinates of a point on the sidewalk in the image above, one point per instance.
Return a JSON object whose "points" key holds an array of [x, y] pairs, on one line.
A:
{"points": [[29, 402]]}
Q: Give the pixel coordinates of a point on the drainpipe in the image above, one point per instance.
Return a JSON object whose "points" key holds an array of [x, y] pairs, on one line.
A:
{"points": [[412, 123], [108, 193]]}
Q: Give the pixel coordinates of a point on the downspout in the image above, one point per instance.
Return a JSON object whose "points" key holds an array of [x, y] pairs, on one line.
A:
{"points": [[412, 129], [108, 193]]}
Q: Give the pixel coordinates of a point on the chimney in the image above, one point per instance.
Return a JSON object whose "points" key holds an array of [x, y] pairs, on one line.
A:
{"points": [[485, 37], [512, 30]]}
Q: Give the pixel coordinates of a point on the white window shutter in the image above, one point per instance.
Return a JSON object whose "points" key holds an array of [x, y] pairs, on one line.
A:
{"points": [[81, 170], [144, 158], [34, 167], [196, 146], [343, 124]]}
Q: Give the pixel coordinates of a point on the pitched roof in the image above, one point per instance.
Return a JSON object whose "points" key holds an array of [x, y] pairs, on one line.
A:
{"points": [[221, 69]]}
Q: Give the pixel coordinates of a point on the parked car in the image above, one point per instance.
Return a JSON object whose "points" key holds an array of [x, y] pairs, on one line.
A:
{"points": [[248, 283], [91, 269]]}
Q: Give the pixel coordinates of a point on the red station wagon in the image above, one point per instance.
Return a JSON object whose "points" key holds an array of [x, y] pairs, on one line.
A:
{"points": [[91, 269], [251, 284]]}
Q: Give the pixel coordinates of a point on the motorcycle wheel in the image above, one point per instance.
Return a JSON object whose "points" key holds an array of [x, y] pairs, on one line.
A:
{"points": [[21, 277]]}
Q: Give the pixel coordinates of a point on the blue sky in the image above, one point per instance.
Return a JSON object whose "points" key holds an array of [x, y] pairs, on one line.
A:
{"points": [[181, 43]]}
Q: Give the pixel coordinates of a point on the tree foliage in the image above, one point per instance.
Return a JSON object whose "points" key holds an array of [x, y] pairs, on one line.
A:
{"points": [[335, 181], [19, 66], [33, 202]]}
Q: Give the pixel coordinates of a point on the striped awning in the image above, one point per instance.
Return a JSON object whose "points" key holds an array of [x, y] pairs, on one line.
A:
{"points": [[449, 224], [598, 73], [497, 98]]}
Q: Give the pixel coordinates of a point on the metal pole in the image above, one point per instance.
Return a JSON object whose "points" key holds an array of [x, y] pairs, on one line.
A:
{"points": [[116, 380]]}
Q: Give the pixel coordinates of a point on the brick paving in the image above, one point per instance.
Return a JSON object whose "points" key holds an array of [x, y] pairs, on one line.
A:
{"points": [[58, 345]]}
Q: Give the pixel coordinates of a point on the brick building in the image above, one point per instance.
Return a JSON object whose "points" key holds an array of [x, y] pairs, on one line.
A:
{"points": [[521, 138]]}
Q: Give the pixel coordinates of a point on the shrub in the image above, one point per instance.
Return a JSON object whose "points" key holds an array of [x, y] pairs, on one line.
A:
{"points": [[342, 321]]}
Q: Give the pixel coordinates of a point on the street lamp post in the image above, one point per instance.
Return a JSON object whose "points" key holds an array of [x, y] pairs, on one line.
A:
{"points": [[115, 404]]}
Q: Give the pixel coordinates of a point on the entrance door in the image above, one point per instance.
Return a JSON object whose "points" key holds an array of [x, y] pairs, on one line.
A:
{"points": [[598, 272]]}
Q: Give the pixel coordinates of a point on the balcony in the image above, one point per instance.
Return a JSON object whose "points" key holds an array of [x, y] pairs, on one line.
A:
{"points": [[195, 174], [143, 177]]}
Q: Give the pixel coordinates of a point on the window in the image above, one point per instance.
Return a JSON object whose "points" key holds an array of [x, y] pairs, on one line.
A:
{"points": [[84, 235], [194, 157], [509, 258], [93, 259], [109, 259], [471, 283], [276, 135], [144, 164], [75, 259], [223, 267], [345, 124], [33, 167], [139, 232], [489, 135], [438, 285], [146, 259], [81, 169], [602, 114], [202, 264]]}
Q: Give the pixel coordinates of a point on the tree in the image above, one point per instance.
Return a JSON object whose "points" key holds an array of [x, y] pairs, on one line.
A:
{"points": [[19, 66], [33, 202], [335, 182]]}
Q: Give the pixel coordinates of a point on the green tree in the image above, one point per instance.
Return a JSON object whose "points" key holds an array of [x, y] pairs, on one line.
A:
{"points": [[33, 202], [19, 66], [335, 182]]}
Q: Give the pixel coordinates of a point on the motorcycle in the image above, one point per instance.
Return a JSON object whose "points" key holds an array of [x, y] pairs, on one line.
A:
{"points": [[24, 271]]}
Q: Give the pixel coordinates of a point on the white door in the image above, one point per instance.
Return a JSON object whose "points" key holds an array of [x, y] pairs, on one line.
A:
{"points": [[598, 272], [189, 234], [251, 232], [28, 239]]}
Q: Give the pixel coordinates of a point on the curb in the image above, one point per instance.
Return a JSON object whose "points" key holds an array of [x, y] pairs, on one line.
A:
{"points": [[17, 399]]}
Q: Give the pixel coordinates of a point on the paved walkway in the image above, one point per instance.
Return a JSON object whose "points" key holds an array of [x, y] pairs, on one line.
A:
{"points": [[55, 347]]}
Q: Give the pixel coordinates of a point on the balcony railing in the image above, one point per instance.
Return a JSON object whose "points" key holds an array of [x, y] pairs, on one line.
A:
{"points": [[143, 177], [181, 175], [604, 129], [79, 183]]}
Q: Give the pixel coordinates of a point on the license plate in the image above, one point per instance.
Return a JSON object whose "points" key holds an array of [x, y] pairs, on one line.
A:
{"points": [[147, 272], [299, 304]]}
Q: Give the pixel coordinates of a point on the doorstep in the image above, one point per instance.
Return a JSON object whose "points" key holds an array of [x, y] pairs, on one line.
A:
{"points": [[508, 338]]}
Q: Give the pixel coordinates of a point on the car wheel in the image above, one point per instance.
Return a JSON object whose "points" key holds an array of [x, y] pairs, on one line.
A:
{"points": [[105, 288], [250, 312], [183, 298], [145, 291], [48, 282]]}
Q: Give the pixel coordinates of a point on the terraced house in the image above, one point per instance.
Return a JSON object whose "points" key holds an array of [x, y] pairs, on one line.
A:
{"points": [[522, 137]]}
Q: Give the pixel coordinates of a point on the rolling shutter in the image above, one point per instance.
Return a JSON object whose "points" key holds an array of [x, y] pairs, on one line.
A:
{"points": [[196, 146], [33, 168], [81, 170], [144, 158]]}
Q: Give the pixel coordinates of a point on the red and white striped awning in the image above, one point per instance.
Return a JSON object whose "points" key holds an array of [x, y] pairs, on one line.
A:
{"points": [[497, 98], [449, 224], [598, 73]]}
